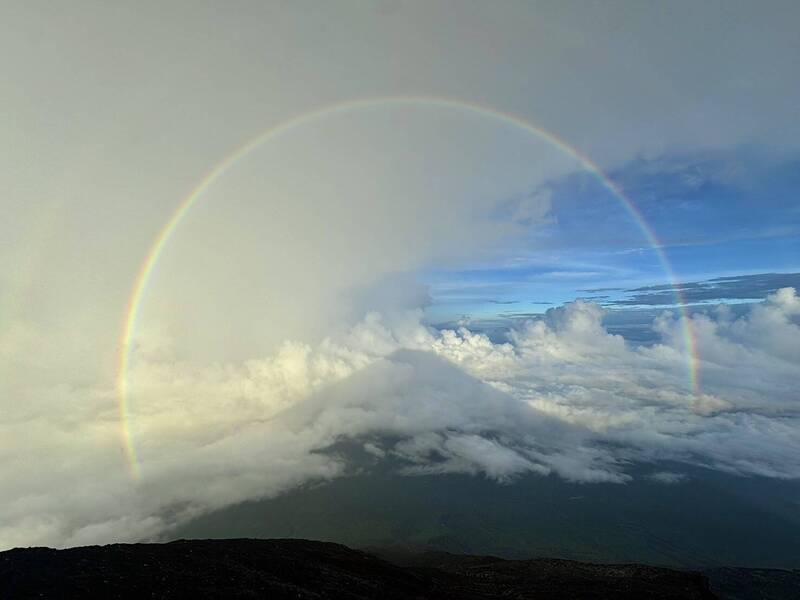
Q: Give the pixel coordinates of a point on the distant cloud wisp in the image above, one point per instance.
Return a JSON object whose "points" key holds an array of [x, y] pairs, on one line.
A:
{"points": [[718, 289]]}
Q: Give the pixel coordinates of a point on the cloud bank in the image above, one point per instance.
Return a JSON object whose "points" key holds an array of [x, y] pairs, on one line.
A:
{"points": [[562, 397], [740, 287]]}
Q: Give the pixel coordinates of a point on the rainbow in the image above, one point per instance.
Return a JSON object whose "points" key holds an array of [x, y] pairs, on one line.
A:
{"points": [[147, 267]]}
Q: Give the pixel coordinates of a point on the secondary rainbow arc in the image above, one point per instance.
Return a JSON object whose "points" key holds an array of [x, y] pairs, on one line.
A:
{"points": [[147, 267]]}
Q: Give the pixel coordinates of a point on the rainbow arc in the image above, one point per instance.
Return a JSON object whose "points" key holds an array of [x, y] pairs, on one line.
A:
{"points": [[163, 237]]}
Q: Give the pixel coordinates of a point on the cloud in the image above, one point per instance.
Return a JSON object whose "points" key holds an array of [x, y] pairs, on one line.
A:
{"points": [[717, 289], [562, 397], [667, 477]]}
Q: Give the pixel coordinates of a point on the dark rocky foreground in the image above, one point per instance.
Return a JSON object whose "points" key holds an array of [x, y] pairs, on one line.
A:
{"points": [[295, 569]]}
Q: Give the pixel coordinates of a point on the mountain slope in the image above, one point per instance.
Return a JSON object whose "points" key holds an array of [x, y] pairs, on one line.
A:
{"points": [[709, 519]]}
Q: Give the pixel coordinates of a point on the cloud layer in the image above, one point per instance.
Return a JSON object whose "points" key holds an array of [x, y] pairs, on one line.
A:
{"points": [[563, 396], [741, 287]]}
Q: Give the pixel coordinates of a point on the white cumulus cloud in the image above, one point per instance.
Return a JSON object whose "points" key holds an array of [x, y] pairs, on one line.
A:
{"points": [[562, 397]]}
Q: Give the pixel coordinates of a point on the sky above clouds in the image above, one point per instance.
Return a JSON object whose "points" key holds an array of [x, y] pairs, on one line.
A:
{"points": [[424, 273]]}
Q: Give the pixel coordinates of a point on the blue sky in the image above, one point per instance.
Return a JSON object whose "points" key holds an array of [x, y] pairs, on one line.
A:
{"points": [[720, 215]]}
